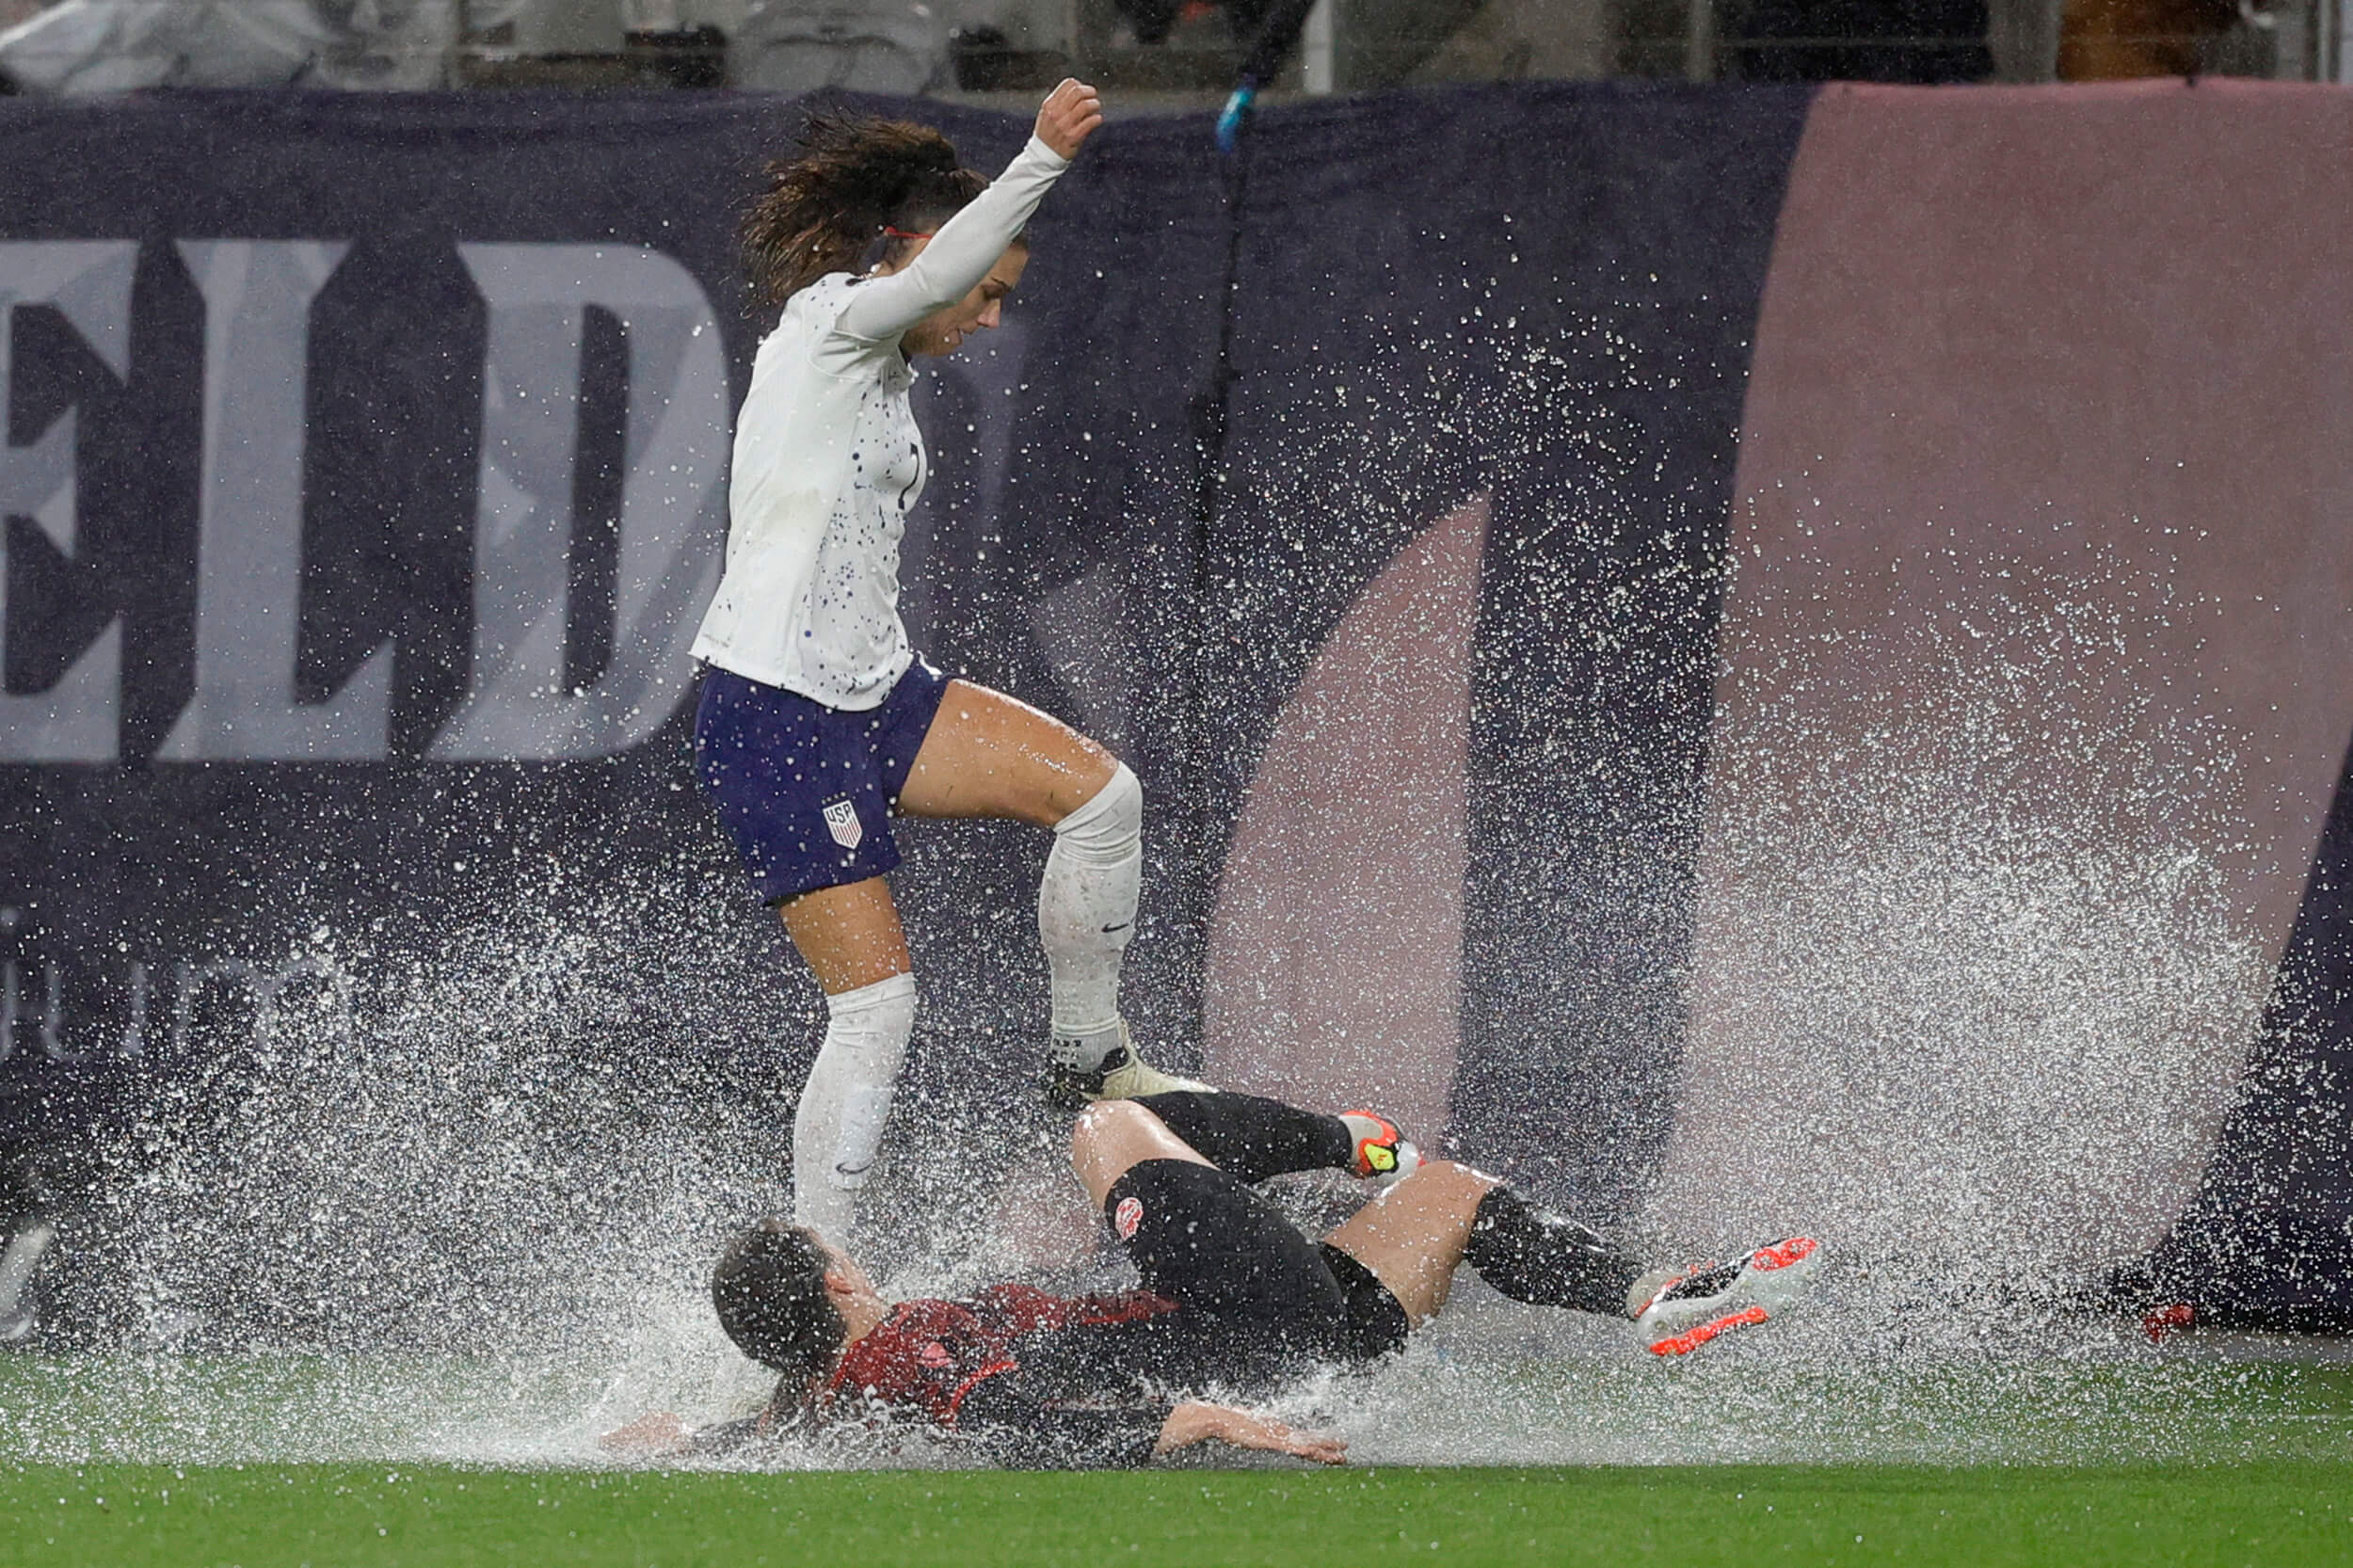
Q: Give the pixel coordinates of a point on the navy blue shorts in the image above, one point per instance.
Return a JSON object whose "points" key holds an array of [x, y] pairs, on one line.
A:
{"points": [[807, 790]]}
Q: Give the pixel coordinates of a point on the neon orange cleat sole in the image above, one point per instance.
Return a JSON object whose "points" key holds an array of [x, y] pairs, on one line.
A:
{"points": [[1712, 1300]]}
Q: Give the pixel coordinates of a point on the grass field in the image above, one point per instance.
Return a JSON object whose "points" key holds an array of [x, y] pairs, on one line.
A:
{"points": [[2085, 1452], [352, 1515]]}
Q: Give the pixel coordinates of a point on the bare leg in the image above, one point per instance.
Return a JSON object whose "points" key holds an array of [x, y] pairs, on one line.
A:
{"points": [[850, 935], [1114, 1135], [853, 941], [987, 755], [1411, 1236], [1414, 1236]]}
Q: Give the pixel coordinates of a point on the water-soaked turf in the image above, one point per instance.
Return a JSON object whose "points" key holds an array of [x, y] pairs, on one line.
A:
{"points": [[1497, 1384], [350, 1515], [1788, 1449]]}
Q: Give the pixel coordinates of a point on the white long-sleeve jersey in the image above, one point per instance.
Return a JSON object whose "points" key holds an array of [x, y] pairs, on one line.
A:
{"points": [[828, 463]]}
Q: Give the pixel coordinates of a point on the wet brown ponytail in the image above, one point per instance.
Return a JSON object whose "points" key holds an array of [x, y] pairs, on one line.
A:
{"points": [[826, 208]]}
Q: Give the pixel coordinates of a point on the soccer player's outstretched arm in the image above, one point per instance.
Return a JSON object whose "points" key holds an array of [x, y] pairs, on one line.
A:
{"points": [[1193, 1423], [1021, 1427], [969, 242]]}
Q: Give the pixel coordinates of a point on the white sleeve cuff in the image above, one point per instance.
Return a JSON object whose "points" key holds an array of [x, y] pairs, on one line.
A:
{"points": [[1037, 148]]}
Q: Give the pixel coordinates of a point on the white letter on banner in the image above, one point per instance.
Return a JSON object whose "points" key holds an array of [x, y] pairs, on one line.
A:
{"points": [[248, 599], [673, 499], [78, 719]]}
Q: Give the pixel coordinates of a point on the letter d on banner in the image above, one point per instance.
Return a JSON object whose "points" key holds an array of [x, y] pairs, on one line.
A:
{"points": [[672, 498]]}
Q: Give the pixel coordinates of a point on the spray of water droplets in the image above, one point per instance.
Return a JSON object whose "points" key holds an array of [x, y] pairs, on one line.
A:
{"points": [[1969, 964], [1976, 974]]}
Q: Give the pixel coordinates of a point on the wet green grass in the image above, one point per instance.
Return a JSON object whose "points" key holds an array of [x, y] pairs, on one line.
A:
{"points": [[350, 1515], [1583, 1412], [2129, 1460]]}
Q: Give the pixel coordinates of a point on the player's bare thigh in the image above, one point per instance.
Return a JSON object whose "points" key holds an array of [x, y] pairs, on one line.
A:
{"points": [[850, 935], [1411, 1236], [987, 755], [1115, 1135]]}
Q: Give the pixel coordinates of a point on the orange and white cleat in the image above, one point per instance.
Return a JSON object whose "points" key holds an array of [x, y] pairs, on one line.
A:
{"points": [[1713, 1299], [1382, 1153]]}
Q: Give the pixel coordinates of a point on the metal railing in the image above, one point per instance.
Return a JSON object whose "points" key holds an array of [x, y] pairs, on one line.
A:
{"points": [[1017, 46]]}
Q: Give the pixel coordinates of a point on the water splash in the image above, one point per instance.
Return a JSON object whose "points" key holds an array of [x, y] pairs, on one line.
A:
{"points": [[514, 1161], [1977, 969]]}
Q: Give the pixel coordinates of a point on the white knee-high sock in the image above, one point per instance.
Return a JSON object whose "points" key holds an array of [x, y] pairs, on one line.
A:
{"points": [[837, 1132], [1086, 912]]}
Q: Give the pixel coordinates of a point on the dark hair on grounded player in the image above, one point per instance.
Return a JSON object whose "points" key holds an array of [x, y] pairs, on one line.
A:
{"points": [[853, 177], [770, 1290]]}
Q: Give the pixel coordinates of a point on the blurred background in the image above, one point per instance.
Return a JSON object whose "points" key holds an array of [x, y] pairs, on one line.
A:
{"points": [[1170, 52]]}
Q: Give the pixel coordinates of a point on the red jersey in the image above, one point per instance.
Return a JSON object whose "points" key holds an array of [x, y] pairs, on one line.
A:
{"points": [[928, 1356]]}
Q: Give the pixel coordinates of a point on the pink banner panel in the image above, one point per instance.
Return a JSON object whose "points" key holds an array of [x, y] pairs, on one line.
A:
{"points": [[1334, 972], [2037, 670]]}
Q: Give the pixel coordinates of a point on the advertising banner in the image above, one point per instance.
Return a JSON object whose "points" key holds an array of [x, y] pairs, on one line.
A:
{"points": [[1589, 575]]}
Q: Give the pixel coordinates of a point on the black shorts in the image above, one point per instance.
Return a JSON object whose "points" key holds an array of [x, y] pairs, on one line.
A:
{"points": [[1233, 1263]]}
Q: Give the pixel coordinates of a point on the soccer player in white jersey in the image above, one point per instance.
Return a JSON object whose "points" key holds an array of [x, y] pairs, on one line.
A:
{"points": [[817, 721]]}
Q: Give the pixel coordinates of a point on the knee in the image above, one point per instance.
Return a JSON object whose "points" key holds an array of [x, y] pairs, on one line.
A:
{"points": [[1435, 1177], [887, 1004], [1104, 1124], [1109, 820], [873, 1022]]}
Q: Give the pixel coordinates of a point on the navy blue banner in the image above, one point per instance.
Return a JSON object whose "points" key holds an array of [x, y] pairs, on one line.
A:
{"points": [[364, 477], [344, 629], [1541, 300]]}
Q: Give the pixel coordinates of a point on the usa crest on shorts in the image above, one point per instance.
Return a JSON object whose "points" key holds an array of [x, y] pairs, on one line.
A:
{"points": [[841, 822]]}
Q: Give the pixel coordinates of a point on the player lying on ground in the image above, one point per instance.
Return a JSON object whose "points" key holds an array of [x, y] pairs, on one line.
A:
{"points": [[1233, 1298]]}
